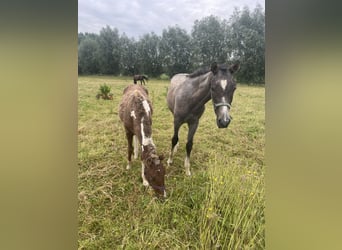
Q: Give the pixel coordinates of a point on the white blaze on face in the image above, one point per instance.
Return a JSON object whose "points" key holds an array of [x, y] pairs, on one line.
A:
{"points": [[223, 84], [145, 140], [146, 107], [133, 114]]}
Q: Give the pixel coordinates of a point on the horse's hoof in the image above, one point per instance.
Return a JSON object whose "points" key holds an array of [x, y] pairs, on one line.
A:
{"points": [[188, 173], [169, 162], [145, 183], [128, 167]]}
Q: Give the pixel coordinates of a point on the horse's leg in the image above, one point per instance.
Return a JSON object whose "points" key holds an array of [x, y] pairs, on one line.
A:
{"points": [[174, 145], [129, 137], [192, 130], [145, 182], [136, 146]]}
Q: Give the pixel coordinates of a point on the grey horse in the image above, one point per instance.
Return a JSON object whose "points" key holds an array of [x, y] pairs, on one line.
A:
{"points": [[188, 94]]}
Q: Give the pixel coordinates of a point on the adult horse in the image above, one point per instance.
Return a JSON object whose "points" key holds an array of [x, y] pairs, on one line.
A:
{"points": [[188, 94], [135, 112], [140, 78]]}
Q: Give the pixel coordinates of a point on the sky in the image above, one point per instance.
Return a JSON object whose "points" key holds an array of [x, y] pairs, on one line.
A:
{"points": [[138, 17]]}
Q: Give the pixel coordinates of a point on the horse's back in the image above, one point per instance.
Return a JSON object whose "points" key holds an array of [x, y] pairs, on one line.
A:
{"points": [[175, 83], [132, 95], [178, 79]]}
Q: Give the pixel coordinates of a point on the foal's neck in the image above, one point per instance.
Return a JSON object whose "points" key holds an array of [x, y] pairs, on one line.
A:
{"points": [[202, 91], [148, 151]]}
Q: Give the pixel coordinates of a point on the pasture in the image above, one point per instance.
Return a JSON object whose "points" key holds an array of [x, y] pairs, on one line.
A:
{"points": [[221, 206]]}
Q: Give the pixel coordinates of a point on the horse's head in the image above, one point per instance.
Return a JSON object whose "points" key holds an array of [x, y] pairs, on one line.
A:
{"points": [[222, 87], [155, 173]]}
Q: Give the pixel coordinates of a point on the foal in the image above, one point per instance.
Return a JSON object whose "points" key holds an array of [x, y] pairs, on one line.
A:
{"points": [[135, 112]]}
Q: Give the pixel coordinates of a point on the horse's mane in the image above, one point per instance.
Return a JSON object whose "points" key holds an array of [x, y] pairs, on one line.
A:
{"points": [[205, 70]]}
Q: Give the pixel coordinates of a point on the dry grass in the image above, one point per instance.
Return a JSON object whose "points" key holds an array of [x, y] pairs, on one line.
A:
{"points": [[220, 206]]}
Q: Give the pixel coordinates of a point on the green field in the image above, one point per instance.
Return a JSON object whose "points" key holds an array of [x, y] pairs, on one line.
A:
{"points": [[221, 206]]}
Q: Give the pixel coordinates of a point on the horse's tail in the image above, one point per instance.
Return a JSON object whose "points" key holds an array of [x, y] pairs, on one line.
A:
{"points": [[145, 77]]}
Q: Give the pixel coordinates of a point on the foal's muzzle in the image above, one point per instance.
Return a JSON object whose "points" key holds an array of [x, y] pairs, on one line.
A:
{"points": [[223, 122], [224, 118]]}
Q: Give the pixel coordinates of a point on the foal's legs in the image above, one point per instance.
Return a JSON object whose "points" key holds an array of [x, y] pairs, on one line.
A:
{"points": [[129, 137], [136, 146], [192, 130], [174, 145], [145, 182]]}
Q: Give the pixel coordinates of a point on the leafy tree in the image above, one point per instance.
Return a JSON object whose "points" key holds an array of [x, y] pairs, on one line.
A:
{"points": [[175, 49], [87, 61], [108, 54], [129, 64], [149, 54], [241, 38], [208, 41], [247, 41]]}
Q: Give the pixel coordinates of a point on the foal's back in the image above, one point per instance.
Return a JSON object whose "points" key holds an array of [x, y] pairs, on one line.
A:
{"points": [[132, 106], [174, 89]]}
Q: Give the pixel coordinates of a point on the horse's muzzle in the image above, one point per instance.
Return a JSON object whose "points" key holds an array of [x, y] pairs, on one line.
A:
{"points": [[223, 122]]}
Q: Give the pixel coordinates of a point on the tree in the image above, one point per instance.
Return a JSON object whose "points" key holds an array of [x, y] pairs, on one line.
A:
{"points": [[175, 50], [208, 41], [247, 43], [87, 61], [108, 54], [129, 56], [149, 55]]}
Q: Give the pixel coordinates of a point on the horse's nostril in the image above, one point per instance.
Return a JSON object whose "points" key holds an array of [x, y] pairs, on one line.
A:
{"points": [[223, 123]]}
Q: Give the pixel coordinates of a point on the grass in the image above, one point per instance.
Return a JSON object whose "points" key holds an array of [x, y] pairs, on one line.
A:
{"points": [[221, 206]]}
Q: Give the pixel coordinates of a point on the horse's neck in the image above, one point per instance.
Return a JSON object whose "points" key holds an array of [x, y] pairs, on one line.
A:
{"points": [[202, 88], [148, 150], [143, 130]]}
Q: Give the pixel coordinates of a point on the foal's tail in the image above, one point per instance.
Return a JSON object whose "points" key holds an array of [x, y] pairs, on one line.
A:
{"points": [[145, 77]]}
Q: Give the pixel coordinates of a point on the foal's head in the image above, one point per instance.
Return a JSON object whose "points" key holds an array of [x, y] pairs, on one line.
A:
{"points": [[222, 91], [154, 171]]}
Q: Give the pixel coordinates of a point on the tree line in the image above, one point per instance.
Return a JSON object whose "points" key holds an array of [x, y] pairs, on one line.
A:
{"points": [[240, 38]]}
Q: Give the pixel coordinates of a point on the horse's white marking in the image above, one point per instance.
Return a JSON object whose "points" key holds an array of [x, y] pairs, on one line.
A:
{"points": [[128, 165], [164, 194], [133, 114], [172, 152], [187, 165], [146, 107], [145, 140], [135, 145], [145, 182], [223, 84]]}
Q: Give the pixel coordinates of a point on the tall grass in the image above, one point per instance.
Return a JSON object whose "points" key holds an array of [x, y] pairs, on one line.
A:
{"points": [[221, 206], [233, 214]]}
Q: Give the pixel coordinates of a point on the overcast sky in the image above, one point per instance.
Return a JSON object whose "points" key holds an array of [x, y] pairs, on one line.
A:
{"points": [[138, 17]]}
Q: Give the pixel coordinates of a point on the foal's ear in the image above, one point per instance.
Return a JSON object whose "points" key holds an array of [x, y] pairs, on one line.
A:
{"points": [[234, 68], [214, 68]]}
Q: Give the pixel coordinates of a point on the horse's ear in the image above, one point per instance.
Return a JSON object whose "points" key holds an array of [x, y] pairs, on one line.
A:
{"points": [[214, 68], [234, 68]]}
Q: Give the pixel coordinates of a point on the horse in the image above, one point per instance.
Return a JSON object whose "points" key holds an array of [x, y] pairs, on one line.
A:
{"points": [[135, 111], [140, 78], [187, 96]]}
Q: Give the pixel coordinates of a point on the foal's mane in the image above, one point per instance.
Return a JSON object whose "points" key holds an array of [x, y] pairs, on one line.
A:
{"points": [[206, 69]]}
